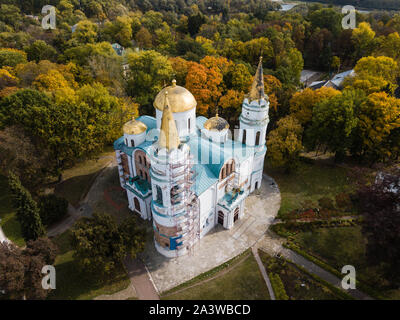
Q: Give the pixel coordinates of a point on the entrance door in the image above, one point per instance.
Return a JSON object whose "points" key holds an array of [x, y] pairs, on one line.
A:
{"points": [[221, 218], [236, 215], [137, 204]]}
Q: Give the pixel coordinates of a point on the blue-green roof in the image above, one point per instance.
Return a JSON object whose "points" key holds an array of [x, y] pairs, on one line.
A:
{"points": [[209, 157]]}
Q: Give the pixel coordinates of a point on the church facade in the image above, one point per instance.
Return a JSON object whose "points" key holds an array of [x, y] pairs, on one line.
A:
{"points": [[185, 173]]}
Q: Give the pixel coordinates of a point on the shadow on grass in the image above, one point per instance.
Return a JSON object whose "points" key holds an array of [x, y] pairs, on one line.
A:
{"points": [[74, 189]]}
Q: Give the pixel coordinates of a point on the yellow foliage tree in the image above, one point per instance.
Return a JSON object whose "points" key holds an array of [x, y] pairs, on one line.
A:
{"points": [[302, 103], [284, 143]]}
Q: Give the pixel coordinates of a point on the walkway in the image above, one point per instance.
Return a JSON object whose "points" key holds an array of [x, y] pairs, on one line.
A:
{"points": [[219, 245], [141, 279], [263, 272], [274, 246]]}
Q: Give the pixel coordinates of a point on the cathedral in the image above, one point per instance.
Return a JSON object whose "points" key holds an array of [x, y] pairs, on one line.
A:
{"points": [[187, 174]]}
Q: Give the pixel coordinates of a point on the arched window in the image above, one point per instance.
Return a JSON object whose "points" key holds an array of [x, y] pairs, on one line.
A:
{"points": [[244, 136], [257, 138], [126, 141], [227, 169], [146, 176], [132, 143], [137, 204], [159, 195], [189, 124], [140, 159]]}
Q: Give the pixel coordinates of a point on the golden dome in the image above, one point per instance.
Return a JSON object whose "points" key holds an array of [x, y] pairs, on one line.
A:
{"points": [[180, 99], [134, 127], [216, 124]]}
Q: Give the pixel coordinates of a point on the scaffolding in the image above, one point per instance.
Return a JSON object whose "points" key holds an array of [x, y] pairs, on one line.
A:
{"points": [[184, 199]]}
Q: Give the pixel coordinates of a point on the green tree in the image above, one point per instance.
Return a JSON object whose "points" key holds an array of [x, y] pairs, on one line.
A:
{"points": [[27, 210], [40, 50], [100, 245], [334, 120], [149, 72]]}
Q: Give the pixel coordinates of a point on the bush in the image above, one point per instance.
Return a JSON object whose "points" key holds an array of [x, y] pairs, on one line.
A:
{"points": [[326, 203], [279, 288], [343, 201], [52, 209]]}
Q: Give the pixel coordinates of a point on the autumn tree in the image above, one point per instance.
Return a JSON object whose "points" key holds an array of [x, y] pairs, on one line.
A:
{"points": [[379, 205], [11, 57], [284, 143], [21, 270], [363, 37], [204, 84], [85, 32], [376, 136], [303, 102], [27, 210], [374, 74]]}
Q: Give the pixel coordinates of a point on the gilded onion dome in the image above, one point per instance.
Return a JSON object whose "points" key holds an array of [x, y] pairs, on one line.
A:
{"points": [[216, 124], [134, 127], [180, 99]]}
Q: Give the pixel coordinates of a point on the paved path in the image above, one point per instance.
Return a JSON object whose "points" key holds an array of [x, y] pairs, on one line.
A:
{"points": [[263, 272], [141, 279], [274, 246], [85, 208], [219, 245]]}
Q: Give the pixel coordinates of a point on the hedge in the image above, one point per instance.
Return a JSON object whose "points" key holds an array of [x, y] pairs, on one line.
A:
{"points": [[278, 287]]}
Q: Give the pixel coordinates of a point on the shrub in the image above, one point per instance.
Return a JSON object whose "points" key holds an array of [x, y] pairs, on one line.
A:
{"points": [[343, 201], [279, 288], [52, 209], [326, 203]]}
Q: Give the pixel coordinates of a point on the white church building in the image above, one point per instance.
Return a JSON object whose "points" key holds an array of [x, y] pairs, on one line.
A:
{"points": [[185, 173]]}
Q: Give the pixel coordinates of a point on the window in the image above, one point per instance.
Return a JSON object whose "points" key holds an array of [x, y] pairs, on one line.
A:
{"points": [[159, 195], [132, 143], [257, 138], [137, 204], [189, 124], [244, 136]]}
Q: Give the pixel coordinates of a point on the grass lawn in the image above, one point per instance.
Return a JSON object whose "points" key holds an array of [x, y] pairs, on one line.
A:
{"points": [[309, 182], [72, 284], [9, 222], [77, 180], [243, 282], [345, 246], [298, 285]]}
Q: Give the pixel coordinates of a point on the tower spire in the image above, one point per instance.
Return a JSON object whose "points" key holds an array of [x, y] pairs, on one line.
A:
{"points": [[169, 137], [257, 87]]}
